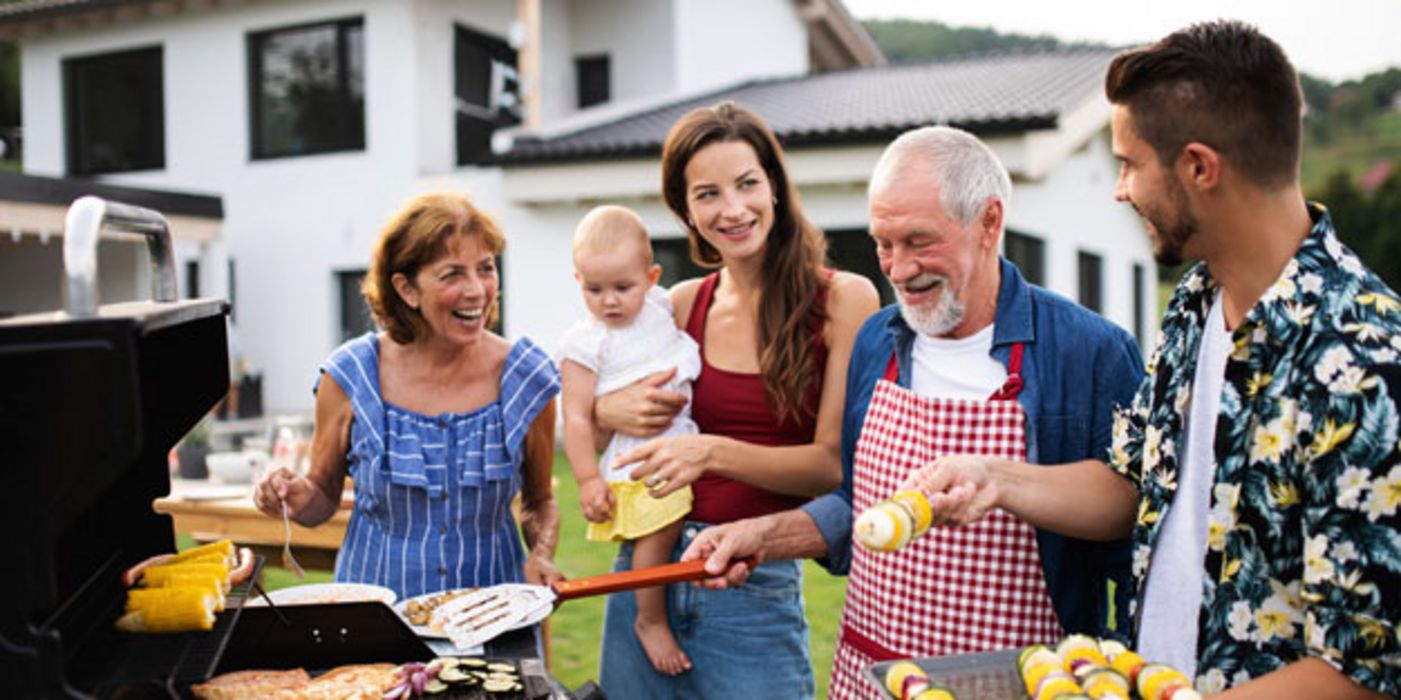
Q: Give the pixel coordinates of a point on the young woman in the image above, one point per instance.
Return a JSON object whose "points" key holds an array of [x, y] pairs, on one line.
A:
{"points": [[775, 327]]}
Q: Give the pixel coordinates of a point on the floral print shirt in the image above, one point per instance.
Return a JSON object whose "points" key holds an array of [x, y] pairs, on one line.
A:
{"points": [[1303, 541]]}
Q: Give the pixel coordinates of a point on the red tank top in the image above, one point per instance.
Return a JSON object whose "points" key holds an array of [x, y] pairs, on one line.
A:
{"points": [[733, 404]]}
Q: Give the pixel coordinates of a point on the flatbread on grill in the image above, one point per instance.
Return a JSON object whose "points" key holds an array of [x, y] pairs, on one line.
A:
{"points": [[355, 682], [241, 685]]}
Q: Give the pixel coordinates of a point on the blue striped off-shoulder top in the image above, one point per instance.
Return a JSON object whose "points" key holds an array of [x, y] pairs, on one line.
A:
{"points": [[433, 493]]}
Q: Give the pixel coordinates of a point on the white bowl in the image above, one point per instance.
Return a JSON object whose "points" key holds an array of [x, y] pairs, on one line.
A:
{"points": [[234, 467]]}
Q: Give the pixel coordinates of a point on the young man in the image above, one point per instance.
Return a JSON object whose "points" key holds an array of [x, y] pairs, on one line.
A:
{"points": [[1264, 444]]}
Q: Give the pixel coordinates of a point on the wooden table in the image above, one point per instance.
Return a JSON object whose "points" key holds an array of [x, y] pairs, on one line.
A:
{"points": [[235, 518]]}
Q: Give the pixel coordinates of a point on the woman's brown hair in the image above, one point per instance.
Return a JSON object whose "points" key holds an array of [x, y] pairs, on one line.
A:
{"points": [[417, 235], [794, 253]]}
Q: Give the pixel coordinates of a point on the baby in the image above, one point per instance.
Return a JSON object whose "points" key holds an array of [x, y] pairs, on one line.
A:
{"points": [[629, 335]]}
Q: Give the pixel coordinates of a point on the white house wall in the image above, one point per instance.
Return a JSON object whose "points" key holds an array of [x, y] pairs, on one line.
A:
{"points": [[642, 52], [1073, 209], [433, 72], [555, 85], [722, 42], [290, 223]]}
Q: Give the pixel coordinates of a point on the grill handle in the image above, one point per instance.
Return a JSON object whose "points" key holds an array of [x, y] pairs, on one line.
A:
{"points": [[81, 228]]}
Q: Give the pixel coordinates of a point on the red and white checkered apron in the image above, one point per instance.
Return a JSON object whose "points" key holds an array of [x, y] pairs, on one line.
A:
{"points": [[956, 590]]}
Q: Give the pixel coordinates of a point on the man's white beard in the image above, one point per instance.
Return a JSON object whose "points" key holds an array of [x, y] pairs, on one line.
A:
{"points": [[937, 319]]}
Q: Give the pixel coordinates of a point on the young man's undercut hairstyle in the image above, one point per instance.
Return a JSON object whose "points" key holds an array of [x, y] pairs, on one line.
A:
{"points": [[1222, 84]]}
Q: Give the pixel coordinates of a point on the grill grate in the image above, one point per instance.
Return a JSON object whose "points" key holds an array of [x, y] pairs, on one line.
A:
{"points": [[109, 658]]}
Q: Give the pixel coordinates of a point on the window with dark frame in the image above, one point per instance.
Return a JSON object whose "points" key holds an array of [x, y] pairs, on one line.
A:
{"points": [[593, 80], [233, 292], [307, 89], [191, 279], [852, 250], [674, 255], [354, 312], [1028, 253], [115, 112], [1091, 281], [487, 91]]}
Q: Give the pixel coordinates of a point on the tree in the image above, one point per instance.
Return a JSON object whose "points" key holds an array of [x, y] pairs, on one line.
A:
{"points": [[1367, 223], [907, 40]]}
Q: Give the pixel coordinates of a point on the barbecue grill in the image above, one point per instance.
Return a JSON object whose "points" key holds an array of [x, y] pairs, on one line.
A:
{"points": [[94, 397]]}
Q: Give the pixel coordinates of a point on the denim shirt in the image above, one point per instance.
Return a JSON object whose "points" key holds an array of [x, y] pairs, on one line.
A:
{"points": [[1077, 366]]}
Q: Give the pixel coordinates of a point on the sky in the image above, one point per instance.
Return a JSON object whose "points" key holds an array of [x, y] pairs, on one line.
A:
{"points": [[1336, 39]]}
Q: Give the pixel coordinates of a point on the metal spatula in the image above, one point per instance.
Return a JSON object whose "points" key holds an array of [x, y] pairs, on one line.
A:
{"points": [[481, 615]]}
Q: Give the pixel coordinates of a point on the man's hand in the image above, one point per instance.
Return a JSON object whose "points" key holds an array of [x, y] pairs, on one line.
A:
{"points": [[596, 500], [641, 409], [722, 546], [961, 488]]}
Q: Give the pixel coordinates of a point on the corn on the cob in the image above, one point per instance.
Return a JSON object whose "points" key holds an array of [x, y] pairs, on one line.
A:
{"points": [[224, 548], [189, 580], [156, 575], [168, 610]]}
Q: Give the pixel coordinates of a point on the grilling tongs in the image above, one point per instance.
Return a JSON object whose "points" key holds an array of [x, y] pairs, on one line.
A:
{"points": [[478, 617]]}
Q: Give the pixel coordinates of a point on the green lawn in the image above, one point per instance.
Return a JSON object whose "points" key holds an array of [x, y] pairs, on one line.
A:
{"points": [[577, 627]]}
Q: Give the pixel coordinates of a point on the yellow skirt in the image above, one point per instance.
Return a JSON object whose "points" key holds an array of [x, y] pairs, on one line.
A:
{"points": [[636, 513]]}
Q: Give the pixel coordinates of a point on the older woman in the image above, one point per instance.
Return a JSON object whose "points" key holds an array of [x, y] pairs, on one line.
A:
{"points": [[439, 421], [775, 327]]}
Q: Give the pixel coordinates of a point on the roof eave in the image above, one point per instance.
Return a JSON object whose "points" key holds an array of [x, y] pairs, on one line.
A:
{"points": [[826, 137]]}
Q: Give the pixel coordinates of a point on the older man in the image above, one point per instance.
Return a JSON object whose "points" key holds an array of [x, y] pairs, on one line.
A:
{"points": [[973, 359]]}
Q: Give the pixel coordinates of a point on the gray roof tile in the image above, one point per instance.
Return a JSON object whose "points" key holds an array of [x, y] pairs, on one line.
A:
{"points": [[41, 9], [986, 93]]}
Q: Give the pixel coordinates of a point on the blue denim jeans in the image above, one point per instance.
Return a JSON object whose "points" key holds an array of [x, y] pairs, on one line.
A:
{"points": [[750, 642]]}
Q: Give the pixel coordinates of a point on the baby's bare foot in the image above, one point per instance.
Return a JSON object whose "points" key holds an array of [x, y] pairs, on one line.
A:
{"points": [[661, 647]]}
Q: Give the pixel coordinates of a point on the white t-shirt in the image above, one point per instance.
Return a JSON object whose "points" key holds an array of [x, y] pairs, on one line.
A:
{"points": [[1172, 597], [960, 368]]}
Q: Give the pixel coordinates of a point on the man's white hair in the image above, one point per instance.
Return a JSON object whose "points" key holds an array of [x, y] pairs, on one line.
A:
{"points": [[965, 169]]}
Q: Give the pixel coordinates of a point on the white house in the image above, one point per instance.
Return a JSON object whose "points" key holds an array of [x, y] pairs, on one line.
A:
{"points": [[313, 120]]}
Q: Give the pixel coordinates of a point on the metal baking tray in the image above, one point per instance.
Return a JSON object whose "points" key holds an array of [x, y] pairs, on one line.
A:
{"points": [[987, 676]]}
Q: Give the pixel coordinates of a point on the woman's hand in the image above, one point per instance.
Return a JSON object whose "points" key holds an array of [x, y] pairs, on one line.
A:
{"points": [[281, 486], [641, 409], [541, 570], [667, 464]]}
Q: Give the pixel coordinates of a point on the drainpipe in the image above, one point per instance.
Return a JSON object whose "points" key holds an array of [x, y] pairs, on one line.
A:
{"points": [[528, 61]]}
